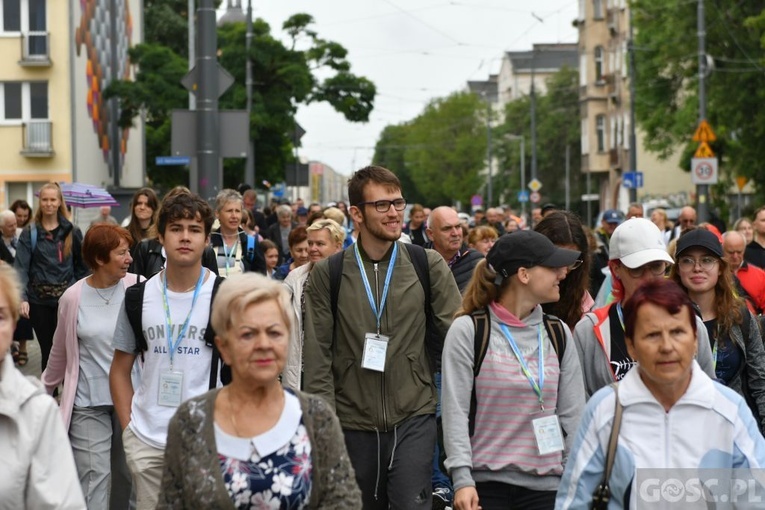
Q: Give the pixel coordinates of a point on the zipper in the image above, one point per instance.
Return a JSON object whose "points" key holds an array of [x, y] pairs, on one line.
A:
{"points": [[382, 374]]}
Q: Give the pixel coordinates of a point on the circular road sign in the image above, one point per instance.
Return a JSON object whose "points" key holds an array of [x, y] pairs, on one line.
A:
{"points": [[535, 197]]}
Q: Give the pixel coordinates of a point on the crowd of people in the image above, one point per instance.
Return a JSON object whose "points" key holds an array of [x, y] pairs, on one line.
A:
{"points": [[337, 356]]}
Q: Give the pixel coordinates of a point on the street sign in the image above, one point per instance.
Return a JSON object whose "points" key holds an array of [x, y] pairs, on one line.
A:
{"points": [[535, 185], [590, 197], [172, 160], [191, 80], [632, 180], [704, 133], [704, 151], [535, 197], [741, 181], [476, 200], [233, 129], [704, 170], [523, 196]]}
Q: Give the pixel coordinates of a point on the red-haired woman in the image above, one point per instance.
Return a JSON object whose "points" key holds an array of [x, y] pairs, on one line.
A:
{"points": [[81, 358], [48, 261]]}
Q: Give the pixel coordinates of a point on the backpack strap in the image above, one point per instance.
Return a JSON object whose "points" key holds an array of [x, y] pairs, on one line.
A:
{"points": [[225, 370], [134, 311], [482, 326], [602, 494], [250, 248], [554, 328], [33, 235], [335, 275], [434, 342]]}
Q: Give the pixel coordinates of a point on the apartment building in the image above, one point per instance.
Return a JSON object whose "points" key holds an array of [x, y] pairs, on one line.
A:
{"points": [[605, 104], [56, 59]]}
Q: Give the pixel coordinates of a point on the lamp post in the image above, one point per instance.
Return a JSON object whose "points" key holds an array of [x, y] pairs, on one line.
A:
{"points": [[249, 169], [523, 166]]}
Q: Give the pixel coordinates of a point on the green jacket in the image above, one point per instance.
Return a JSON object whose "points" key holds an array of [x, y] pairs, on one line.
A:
{"points": [[365, 399]]}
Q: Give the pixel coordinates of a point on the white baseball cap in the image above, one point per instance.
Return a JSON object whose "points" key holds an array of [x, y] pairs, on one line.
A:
{"points": [[637, 242]]}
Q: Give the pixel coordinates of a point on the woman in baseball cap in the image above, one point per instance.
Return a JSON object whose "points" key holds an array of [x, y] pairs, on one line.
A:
{"points": [[734, 334], [512, 391]]}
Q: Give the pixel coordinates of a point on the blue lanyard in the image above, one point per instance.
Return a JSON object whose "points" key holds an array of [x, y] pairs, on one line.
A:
{"points": [[172, 346], [370, 296], [228, 254], [537, 387]]}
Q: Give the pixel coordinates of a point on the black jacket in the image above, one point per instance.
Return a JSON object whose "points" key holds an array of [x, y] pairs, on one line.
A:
{"points": [[253, 260], [148, 259], [274, 235], [48, 266], [464, 266], [5, 254]]}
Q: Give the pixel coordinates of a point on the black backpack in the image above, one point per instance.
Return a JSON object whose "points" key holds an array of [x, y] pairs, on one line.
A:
{"points": [[134, 310], [482, 324], [434, 342]]}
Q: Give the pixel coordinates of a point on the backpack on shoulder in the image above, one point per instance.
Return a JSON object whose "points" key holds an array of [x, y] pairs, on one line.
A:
{"points": [[134, 310]]}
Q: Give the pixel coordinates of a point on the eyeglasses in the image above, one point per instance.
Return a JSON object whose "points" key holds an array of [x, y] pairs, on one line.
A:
{"points": [[382, 206], [689, 263], [656, 268], [575, 265]]}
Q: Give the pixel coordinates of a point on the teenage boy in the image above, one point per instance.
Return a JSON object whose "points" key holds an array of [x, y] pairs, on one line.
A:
{"points": [[177, 358]]}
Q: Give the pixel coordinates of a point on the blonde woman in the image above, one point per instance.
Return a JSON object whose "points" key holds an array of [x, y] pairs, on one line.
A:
{"points": [[325, 238], [48, 261]]}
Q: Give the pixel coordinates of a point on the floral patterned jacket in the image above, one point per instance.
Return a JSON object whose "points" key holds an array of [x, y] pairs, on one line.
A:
{"points": [[192, 476]]}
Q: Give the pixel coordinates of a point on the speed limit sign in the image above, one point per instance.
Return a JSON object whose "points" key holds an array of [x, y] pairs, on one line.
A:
{"points": [[704, 171]]}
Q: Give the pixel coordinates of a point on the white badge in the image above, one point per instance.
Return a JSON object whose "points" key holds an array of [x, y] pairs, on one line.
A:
{"points": [[170, 389], [548, 434], [375, 348]]}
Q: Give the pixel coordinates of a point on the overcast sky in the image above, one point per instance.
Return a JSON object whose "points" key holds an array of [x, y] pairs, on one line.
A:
{"points": [[413, 51]]}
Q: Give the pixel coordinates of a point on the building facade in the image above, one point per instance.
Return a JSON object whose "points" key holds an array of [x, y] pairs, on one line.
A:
{"points": [[56, 59], [605, 105]]}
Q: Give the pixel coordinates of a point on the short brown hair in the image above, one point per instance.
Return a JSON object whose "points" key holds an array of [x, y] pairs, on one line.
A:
{"points": [[370, 174], [297, 236], [99, 242], [181, 204]]}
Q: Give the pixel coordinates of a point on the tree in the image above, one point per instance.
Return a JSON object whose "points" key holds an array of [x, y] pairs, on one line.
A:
{"points": [[667, 85], [439, 155], [558, 126], [284, 77]]}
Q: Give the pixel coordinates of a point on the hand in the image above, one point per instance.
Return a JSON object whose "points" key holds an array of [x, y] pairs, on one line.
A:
{"points": [[466, 498], [24, 309]]}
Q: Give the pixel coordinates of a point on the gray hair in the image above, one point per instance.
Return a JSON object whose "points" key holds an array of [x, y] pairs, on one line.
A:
{"points": [[7, 215], [225, 196], [283, 210]]}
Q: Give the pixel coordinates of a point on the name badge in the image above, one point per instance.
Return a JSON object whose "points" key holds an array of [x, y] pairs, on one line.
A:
{"points": [[375, 348], [170, 389], [548, 434]]}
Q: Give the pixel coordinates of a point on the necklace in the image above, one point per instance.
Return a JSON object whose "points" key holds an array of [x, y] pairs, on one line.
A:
{"points": [[231, 413], [111, 295]]}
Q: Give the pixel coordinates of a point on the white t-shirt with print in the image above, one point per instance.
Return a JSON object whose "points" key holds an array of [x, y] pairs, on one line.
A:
{"points": [[148, 419]]}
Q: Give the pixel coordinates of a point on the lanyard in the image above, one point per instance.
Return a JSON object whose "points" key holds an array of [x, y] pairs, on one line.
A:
{"points": [[228, 254], [537, 387], [172, 346], [370, 297]]}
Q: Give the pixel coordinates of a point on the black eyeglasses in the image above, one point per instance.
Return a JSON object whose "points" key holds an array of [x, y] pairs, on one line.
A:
{"points": [[575, 265], [382, 206]]}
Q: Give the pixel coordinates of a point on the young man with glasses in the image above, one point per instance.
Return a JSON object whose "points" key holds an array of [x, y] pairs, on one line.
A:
{"points": [[367, 354], [636, 255]]}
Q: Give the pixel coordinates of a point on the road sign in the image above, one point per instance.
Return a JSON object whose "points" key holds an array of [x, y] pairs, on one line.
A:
{"points": [[741, 181], [704, 170], [704, 133], [535, 197], [632, 180], [535, 185], [704, 151], [476, 200], [172, 160], [590, 197], [191, 80], [523, 196]]}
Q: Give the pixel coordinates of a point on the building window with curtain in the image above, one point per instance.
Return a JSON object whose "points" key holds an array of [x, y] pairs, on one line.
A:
{"points": [[598, 64], [600, 132]]}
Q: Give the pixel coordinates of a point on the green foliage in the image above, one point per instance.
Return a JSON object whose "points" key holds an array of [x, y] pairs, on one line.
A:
{"points": [[439, 154], [558, 126], [667, 85], [283, 77]]}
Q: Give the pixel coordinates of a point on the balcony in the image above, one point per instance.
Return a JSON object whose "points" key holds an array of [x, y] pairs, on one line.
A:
{"points": [[38, 139], [35, 49]]}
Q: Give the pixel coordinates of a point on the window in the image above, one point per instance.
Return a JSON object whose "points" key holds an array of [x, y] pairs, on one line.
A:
{"points": [[600, 132], [23, 100], [599, 63], [585, 138], [11, 15], [597, 9], [23, 15], [583, 69]]}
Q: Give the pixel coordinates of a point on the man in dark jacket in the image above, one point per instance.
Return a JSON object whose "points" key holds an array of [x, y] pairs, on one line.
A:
{"points": [[445, 233]]}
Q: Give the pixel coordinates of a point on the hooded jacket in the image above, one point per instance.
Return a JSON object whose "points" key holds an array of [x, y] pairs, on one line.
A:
{"points": [[37, 470]]}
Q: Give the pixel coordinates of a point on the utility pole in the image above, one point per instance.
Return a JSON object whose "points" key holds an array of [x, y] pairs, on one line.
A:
{"points": [[633, 138], [193, 166], [249, 169], [523, 167], [208, 117], [533, 120], [490, 191], [702, 190]]}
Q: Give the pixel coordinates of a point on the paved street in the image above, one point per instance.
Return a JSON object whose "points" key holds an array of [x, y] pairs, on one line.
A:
{"points": [[33, 366]]}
